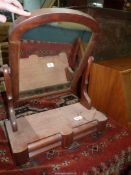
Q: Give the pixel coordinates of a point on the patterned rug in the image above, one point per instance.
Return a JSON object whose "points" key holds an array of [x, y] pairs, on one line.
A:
{"points": [[103, 153], [29, 107]]}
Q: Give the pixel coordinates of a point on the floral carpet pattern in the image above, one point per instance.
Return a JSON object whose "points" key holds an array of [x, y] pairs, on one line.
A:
{"points": [[101, 153], [105, 153]]}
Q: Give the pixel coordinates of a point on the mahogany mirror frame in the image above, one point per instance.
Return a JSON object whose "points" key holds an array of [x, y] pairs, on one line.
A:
{"points": [[11, 76], [41, 17]]}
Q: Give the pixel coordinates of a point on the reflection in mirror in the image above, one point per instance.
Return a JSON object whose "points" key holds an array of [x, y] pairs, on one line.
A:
{"points": [[47, 53]]}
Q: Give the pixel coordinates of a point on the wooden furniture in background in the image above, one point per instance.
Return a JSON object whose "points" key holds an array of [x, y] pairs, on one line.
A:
{"points": [[4, 29], [110, 88], [50, 3], [77, 3], [4, 53], [114, 4]]}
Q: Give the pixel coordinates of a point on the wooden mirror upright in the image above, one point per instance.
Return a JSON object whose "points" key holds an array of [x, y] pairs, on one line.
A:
{"points": [[32, 134]]}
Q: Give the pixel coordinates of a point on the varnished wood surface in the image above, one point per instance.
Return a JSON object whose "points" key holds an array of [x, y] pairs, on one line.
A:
{"points": [[121, 64], [47, 124], [50, 15], [110, 88]]}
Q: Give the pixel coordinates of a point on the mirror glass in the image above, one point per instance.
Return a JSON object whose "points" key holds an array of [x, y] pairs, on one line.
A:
{"points": [[47, 52]]}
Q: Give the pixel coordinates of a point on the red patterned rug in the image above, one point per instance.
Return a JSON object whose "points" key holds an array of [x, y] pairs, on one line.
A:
{"points": [[103, 153]]}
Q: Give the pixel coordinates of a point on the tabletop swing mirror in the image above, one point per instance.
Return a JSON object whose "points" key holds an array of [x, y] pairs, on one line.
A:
{"points": [[49, 53]]}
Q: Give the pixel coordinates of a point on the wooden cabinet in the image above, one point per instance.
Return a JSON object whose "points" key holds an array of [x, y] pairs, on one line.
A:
{"points": [[110, 88]]}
